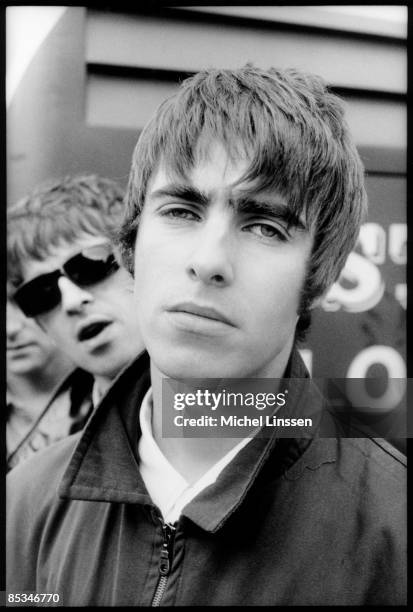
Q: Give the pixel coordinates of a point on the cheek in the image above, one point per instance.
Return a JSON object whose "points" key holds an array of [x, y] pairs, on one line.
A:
{"points": [[276, 290], [143, 287], [156, 261], [54, 327]]}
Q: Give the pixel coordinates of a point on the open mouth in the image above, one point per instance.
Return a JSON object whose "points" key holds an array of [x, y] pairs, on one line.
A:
{"points": [[92, 330]]}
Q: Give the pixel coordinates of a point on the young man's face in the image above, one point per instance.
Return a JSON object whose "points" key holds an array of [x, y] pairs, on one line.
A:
{"points": [[29, 349], [218, 273], [97, 325]]}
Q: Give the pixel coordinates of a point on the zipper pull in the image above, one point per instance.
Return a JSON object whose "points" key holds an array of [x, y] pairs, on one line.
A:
{"points": [[165, 558], [164, 562]]}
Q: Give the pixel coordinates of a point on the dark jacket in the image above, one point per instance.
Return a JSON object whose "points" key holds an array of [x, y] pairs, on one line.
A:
{"points": [[287, 522], [75, 392]]}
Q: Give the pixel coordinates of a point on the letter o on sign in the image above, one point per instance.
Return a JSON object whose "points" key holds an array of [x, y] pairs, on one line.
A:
{"points": [[356, 388]]}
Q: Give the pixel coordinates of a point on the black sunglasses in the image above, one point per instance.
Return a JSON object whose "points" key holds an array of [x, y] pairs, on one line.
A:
{"points": [[91, 265]]}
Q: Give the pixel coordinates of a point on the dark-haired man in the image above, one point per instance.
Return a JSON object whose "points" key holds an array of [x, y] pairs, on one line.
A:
{"points": [[245, 197]]}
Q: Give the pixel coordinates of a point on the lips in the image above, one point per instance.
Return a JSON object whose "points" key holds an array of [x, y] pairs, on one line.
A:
{"points": [[206, 312], [91, 329], [19, 347]]}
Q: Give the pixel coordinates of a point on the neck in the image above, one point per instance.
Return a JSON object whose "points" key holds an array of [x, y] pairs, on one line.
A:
{"points": [[102, 384], [192, 457]]}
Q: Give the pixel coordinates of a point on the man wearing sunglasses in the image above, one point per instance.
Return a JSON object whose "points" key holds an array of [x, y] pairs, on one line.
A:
{"points": [[245, 197], [64, 274]]}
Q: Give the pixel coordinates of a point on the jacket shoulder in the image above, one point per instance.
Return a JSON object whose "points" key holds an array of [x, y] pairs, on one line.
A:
{"points": [[370, 472], [379, 456], [31, 495], [389, 454], [374, 472], [39, 476]]}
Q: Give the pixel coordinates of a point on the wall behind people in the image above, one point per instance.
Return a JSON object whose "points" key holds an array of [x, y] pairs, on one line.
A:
{"points": [[98, 75]]}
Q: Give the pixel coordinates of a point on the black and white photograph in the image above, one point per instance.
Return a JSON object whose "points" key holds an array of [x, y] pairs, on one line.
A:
{"points": [[206, 383]]}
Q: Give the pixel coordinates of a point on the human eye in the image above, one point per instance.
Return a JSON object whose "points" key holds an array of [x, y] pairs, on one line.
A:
{"points": [[267, 231], [181, 211]]}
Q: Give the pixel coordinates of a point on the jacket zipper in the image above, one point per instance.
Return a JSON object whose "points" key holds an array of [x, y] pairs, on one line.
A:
{"points": [[165, 562]]}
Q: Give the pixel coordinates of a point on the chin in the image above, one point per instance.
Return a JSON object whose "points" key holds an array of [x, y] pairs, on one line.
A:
{"points": [[109, 372], [23, 368], [193, 366]]}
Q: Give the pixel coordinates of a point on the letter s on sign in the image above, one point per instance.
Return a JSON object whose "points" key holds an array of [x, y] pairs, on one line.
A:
{"points": [[366, 291]]}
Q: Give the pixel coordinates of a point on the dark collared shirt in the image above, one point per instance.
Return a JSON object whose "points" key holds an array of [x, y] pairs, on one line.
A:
{"points": [[65, 413]]}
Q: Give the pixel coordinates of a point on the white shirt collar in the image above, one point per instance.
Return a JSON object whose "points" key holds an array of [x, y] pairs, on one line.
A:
{"points": [[166, 486], [163, 481], [96, 394]]}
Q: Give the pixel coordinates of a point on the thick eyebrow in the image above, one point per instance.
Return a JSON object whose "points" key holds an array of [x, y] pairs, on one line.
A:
{"points": [[277, 210], [183, 192], [245, 204]]}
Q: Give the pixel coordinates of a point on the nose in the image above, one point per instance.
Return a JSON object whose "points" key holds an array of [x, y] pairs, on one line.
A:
{"points": [[74, 298], [211, 260], [15, 320]]}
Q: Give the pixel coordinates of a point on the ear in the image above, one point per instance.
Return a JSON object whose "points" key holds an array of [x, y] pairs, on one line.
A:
{"points": [[126, 258], [317, 302], [320, 299], [117, 254], [129, 260]]}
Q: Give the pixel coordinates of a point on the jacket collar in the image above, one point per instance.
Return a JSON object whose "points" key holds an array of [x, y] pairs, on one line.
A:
{"points": [[104, 465]]}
